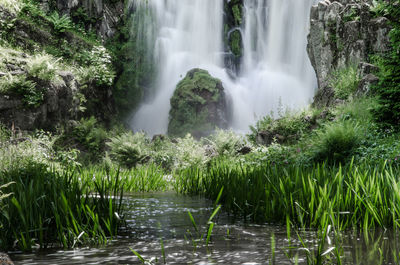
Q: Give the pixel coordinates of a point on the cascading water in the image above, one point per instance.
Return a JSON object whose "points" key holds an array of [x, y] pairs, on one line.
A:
{"points": [[276, 71]]}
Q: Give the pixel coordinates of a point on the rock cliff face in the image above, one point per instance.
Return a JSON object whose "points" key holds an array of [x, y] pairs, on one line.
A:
{"points": [[58, 107], [342, 33], [103, 16]]}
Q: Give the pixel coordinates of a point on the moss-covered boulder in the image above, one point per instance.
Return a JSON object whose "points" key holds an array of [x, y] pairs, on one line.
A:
{"points": [[198, 105]]}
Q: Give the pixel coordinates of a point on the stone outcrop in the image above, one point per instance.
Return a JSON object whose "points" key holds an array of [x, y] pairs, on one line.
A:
{"points": [[198, 105], [343, 33], [103, 16], [59, 106], [233, 20]]}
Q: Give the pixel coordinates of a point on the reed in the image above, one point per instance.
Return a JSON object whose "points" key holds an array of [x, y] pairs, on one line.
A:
{"points": [[361, 195], [145, 178], [46, 207]]}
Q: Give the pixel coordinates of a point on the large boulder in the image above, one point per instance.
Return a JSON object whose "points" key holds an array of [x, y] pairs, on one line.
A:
{"points": [[198, 105]]}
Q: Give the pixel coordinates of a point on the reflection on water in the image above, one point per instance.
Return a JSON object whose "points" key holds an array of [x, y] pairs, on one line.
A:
{"points": [[152, 217]]}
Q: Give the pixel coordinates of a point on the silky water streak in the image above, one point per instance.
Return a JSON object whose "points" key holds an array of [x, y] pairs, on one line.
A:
{"points": [[275, 71]]}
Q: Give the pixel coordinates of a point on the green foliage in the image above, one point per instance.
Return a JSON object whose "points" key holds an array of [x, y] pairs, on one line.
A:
{"points": [[12, 5], [225, 143], [31, 94], [235, 43], [92, 136], [47, 207], [44, 67], [237, 14], [60, 23], [363, 195], [189, 153], [291, 126], [379, 146], [344, 81], [188, 114], [129, 149], [351, 15], [357, 109], [388, 89], [336, 141], [97, 67]]}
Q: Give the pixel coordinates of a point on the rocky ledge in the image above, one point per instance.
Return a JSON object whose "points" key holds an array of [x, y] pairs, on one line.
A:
{"points": [[343, 33]]}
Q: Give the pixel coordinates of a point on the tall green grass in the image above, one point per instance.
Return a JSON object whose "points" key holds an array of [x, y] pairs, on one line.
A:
{"points": [[141, 179], [362, 196], [47, 207]]}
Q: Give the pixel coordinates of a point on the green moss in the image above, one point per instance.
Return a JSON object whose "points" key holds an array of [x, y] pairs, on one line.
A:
{"points": [[237, 14], [189, 112], [235, 43]]}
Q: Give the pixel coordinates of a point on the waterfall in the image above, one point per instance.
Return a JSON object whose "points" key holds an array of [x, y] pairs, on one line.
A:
{"points": [[276, 72]]}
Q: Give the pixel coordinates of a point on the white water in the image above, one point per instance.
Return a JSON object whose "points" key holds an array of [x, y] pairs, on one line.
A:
{"points": [[276, 69]]}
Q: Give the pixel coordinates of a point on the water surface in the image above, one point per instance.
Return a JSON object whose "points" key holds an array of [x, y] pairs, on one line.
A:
{"points": [[156, 216]]}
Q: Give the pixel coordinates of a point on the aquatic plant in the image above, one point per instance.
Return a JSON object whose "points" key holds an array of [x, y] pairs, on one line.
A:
{"points": [[47, 207], [356, 195]]}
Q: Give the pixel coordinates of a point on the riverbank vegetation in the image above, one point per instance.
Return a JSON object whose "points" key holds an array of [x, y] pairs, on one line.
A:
{"points": [[337, 165]]}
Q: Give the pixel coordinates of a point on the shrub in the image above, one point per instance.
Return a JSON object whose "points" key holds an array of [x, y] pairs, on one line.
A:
{"points": [[226, 143], [12, 5], [290, 125], [163, 152], [337, 141], [98, 67], [344, 81], [92, 136], [129, 149], [31, 94], [359, 109], [44, 67], [60, 23], [388, 88], [188, 153]]}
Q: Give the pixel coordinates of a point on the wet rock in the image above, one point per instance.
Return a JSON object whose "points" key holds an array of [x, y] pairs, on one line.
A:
{"points": [[244, 150], [366, 83], [268, 137], [198, 105], [158, 137], [5, 259]]}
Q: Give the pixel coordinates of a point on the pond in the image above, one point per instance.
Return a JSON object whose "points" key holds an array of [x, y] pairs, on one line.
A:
{"points": [[163, 216]]}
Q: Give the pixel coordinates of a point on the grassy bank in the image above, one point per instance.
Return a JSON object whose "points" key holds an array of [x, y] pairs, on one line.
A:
{"points": [[351, 196], [48, 200]]}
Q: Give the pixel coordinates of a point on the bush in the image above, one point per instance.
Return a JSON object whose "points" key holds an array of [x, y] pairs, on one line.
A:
{"points": [[290, 125], [388, 88], [43, 67], [129, 149], [97, 67], [60, 24], [188, 153], [92, 136], [359, 110], [12, 5], [225, 143], [337, 141], [31, 94], [344, 81]]}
